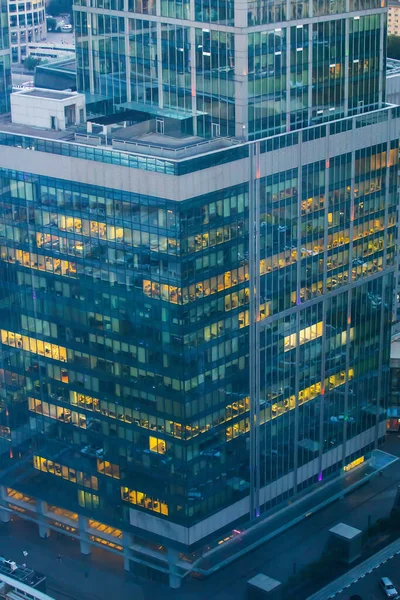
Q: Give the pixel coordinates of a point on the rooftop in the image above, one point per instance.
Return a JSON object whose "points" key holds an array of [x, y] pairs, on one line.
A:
{"points": [[20, 573], [167, 146], [393, 65], [20, 129], [395, 348], [345, 531], [264, 583], [48, 94], [134, 136], [133, 139]]}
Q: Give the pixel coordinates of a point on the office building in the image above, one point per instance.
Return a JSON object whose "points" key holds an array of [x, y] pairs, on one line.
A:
{"points": [[393, 97], [196, 284], [48, 51], [393, 411], [5, 61], [393, 17], [56, 75], [27, 21]]}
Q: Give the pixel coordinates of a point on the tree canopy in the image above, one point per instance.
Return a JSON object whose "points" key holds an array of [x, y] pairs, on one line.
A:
{"points": [[393, 50]]}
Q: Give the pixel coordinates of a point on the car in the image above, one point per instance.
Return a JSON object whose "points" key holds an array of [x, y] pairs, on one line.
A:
{"points": [[306, 251], [388, 587], [341, 418], [66, 28]]}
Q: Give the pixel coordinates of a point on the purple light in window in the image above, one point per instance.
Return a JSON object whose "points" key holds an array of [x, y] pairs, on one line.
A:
{"points": [[34, 294], [320, 476], [257, 514]]}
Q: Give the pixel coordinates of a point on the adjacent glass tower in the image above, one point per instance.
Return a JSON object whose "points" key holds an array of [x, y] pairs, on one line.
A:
{"points": [[243, 68], [5, 59], [194, 330], [27, 21]]}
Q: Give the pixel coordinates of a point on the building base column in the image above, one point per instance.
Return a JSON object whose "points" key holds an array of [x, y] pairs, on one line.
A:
{"points": [[44, 531], [85, 546], [41, 508], [4, 515], [174, 579], [126, 543]]}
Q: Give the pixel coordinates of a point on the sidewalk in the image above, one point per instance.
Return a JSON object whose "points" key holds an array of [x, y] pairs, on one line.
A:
{"points": [[67, 578], [299, 546], [337, 586], [291, 515]]}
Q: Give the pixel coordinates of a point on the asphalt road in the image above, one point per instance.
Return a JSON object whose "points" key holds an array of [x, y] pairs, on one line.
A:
{"points": [[278, 558], [368, 587]]}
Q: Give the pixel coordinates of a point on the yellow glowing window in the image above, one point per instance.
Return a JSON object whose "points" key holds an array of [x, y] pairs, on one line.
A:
{"points": [[102, 527], [354, 463], [103, 542], [107, 468], [157, 445], [48, 466], [143, 500], [243, 319], [305, 335], [46, 349]]}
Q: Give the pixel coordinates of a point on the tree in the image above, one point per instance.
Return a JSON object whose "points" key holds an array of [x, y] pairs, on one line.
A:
{"points": [[30, 63], [393, 50], [59, 7], [51, 24]]}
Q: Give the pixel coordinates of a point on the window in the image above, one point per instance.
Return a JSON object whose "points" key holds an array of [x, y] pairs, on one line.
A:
{"points": [[157, 445], [143, 500]]}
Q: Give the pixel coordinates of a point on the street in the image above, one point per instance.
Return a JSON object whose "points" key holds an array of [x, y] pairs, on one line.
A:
{"points": [[279, 558], [368, 586]]}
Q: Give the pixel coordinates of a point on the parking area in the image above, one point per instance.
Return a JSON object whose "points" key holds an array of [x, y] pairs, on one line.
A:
{"points": [[368, 587]]}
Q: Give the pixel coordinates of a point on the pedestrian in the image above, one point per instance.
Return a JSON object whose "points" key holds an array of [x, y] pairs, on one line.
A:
{"points": [[59, 557]]}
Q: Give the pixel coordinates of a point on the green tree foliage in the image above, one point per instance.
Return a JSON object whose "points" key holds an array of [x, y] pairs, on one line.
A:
{"points": [[31, 62], [59, 7], [393, 50], [51, 24]]}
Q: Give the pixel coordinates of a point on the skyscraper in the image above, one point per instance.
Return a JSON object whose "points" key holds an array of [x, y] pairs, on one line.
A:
{"points": [[27, 21], [5, 60], [243, 68], [196, 288]]}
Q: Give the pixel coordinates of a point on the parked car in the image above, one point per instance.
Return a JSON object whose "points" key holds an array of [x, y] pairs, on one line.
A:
{"points": [[388, 587]]}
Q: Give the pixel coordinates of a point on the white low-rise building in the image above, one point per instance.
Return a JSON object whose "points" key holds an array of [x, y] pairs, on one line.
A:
{"points": [[47, 109]]}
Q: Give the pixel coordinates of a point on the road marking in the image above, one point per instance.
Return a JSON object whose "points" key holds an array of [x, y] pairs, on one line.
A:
{"points": [[385, 554]]}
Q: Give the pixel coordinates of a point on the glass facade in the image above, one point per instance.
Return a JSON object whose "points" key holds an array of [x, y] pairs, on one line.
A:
{"points": [[131, 328], [251, 84], [5, 59], [186, 342], [27, 22]]}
